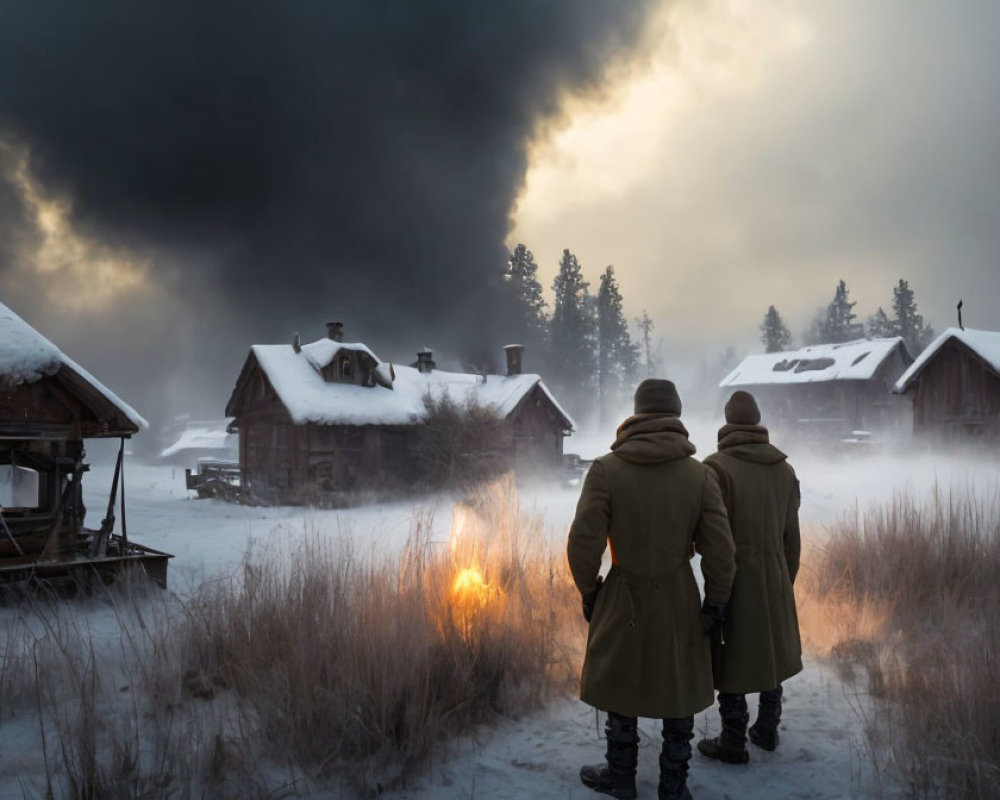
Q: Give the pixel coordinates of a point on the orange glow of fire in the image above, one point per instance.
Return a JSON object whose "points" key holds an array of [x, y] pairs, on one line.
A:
{"points": [[469, 584]]}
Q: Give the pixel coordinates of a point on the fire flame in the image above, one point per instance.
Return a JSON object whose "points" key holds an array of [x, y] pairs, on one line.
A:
{"points": [[469, 582], [470, 588]]}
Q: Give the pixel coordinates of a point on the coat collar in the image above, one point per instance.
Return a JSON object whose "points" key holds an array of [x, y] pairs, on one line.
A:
{"points": [[749, 443], [651, 439]]}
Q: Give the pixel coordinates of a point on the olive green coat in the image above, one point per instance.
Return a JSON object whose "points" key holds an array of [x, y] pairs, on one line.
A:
{"points": [[761, 640], [647, 655]]}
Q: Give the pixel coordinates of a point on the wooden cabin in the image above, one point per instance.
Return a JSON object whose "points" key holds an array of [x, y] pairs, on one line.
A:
{"points": [[48, 406], [201, 439], [324, 421], [955, 386], [828, 390]]}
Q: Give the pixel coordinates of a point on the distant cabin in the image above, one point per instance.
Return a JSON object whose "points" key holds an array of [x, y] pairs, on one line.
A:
{"points": [[204, 439], [319, 421], [828, 389], [955, 386]]}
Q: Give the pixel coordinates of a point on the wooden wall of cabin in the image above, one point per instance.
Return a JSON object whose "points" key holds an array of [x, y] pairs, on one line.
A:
{"points": [[286, 463], [957, 394], [60, 406], [536, 433], [269, 443], [39, 410], [834, 408], [267, 456], [344, 458]]}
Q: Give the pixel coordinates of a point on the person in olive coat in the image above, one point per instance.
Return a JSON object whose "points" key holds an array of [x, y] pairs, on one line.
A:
{"points": [[647, 651], [760, 646]]}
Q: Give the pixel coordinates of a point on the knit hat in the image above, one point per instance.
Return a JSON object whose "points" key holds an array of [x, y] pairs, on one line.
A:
{"points": [[742, 409], [657, 396]]}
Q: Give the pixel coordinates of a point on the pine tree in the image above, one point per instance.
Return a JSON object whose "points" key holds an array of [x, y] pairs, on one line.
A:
{"points": [[908, 323], [836, 323], [617, 356], [879, 325], [645, 324], [521, 278], [572, 330], [774, 332]]}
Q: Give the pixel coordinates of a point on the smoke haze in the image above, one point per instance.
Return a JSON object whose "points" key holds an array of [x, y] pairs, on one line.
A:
{"points": [[242, 170]]}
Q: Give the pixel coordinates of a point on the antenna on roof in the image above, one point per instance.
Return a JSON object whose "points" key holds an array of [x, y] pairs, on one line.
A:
{"points": [[960, 325]]}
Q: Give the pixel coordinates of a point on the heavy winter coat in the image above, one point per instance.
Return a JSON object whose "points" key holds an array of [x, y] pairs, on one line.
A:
{"points": [[762, 646], [647, 655]]}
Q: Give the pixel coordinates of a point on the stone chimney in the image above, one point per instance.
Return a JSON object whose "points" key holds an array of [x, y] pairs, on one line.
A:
{"points": [[335, 331], [514, 353], [425, 361]]}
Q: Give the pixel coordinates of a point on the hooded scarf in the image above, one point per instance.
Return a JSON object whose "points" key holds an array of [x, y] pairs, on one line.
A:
{"points": [[651, 439]]}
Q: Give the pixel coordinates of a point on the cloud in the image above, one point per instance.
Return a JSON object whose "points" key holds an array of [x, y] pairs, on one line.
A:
{"points": [[71, 270], [773, 149]]}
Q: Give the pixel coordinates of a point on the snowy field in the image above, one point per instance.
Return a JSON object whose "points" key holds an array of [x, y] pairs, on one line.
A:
{"points": [[822, 750]]}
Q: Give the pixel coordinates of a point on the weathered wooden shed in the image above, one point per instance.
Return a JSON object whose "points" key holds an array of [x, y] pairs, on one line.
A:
{"points": [[828, 390], [49, 405], [321, 421], [955, 386]]}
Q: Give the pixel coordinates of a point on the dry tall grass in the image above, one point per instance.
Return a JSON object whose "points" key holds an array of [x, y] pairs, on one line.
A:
{"points": [[909, 593], [310, 667]]}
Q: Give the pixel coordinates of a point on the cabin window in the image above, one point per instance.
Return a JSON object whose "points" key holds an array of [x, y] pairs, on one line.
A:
{"points": [[345, 368], [19, 488]]}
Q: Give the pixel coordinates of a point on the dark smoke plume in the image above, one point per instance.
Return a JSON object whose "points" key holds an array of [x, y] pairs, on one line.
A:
{"points": [[306, 159]]}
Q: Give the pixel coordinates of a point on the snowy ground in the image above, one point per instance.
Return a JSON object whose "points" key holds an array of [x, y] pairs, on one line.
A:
{"points": [[821, 754]]}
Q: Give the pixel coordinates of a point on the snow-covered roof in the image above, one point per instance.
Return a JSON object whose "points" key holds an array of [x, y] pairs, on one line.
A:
{"points": [[986, 344], [848, 361], [297, 380], [26, 357], [202, 436]]}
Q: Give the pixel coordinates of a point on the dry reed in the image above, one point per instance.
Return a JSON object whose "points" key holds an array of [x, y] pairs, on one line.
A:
{"points": [[311, 666], [908, 593]]}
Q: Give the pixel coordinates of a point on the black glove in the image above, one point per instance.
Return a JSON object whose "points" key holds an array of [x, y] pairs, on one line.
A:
{"points": [[590, 599], [713, 619]]}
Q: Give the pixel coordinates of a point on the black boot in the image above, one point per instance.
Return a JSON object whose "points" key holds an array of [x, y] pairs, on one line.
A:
{"points": [[731, 745], [617, 776], [764, 732], [674, 758]]}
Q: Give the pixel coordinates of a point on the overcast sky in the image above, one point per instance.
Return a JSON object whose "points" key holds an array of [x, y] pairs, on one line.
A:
{"points": [[774, 147], [175, 187]]}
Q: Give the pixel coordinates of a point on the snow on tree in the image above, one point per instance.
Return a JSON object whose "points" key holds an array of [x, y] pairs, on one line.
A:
{"points": [[774, 333], [645, 324], [573, 330], [879, 326], [835, 323], [525, 295], [908, 323], [617, 356]]}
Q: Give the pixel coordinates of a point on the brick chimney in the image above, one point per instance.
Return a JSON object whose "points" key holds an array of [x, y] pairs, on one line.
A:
{"points": [[514, 353], [335, 331], [425, 361]]}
